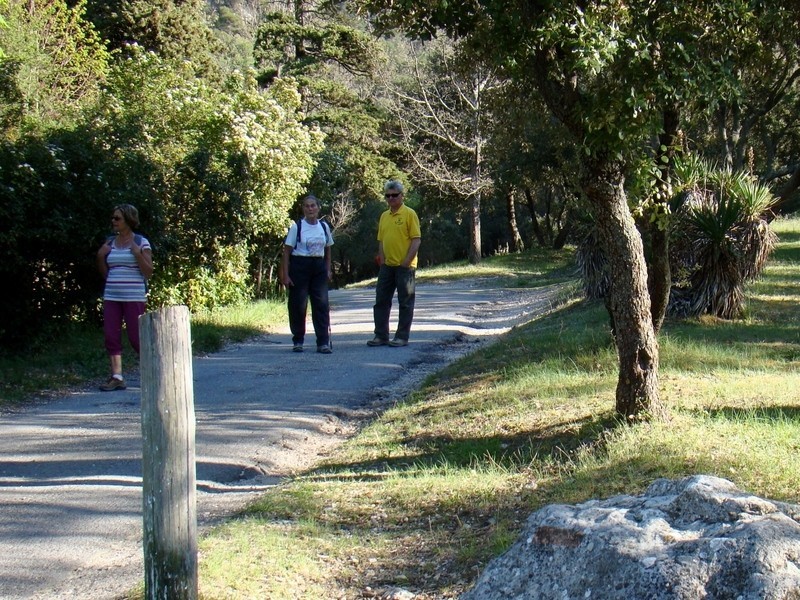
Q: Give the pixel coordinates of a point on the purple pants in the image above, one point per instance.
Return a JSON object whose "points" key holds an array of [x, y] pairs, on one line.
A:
{"points": [[114, 313]]}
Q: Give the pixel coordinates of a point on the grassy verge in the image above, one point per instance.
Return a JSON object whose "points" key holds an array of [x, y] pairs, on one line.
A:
{"points": [[426, 494], [533, 268], [75, 357]]}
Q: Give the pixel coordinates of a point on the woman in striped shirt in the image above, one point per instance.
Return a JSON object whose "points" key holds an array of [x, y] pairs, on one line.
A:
{"points": [[126, 262]]}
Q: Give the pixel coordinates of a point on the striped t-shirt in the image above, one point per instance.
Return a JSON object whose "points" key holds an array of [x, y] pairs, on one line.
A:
{"points": [[125, 282]]}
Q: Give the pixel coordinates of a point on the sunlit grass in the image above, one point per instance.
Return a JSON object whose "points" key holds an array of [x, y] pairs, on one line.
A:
{"points": [[536, 267], [442, 481], [211, 330], [532, 268], [261, 558]]}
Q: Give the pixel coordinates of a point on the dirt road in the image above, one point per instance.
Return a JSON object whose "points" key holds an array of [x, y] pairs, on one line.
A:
{"points": [[70, 469]]}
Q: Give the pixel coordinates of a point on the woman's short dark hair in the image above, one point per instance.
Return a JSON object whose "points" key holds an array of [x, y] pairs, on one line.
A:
{"points": [[129, 213]]}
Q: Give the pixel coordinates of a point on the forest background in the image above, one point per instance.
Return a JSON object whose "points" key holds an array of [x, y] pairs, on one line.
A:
{"points": [[214, 118]]}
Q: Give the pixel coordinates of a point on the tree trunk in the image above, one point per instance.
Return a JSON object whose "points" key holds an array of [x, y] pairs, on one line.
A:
{"points": [[475, 229], [726, 155], [475, 206], [300, 18], [660, 275], [515, 239], [548, 215], [537, 231], [786, 192], [563, 234], [637, 394], [659, 272], [628, 299]]}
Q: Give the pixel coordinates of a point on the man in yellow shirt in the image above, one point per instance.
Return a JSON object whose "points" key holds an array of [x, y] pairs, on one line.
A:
{"points": [[399, 238]]}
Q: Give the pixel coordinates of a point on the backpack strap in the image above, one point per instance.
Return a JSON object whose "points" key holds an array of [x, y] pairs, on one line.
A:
{"points": [[326, 229], [297, 238], [137, 239]]}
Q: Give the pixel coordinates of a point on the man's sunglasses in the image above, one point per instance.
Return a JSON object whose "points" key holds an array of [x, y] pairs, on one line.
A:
{"points": [[392, 195]]}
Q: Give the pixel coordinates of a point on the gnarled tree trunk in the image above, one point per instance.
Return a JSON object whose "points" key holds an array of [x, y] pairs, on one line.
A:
{"points": [[628, 300]]}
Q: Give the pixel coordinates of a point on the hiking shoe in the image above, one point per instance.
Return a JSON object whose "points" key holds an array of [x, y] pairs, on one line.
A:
{"points": [[324, 349], [113, 384], [376, 341], [297, 347], [397, 342]]}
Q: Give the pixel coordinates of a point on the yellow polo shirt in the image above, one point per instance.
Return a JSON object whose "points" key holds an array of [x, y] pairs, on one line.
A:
{"points": [[395, 232]]}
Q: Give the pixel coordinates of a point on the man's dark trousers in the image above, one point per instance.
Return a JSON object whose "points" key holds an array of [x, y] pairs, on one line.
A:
{"points": [[391, 279]]}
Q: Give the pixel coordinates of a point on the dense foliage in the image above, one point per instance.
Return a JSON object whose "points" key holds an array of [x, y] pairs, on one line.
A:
{"points": [[214, 117], [213, 168]]}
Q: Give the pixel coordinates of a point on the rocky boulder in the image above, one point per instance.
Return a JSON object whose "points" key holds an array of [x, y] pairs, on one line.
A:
{"points": [[698, 537]]}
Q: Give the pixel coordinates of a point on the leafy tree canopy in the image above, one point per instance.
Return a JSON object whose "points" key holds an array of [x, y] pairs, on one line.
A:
{"points": [[173, 29], [54, 65], [224, 165]]}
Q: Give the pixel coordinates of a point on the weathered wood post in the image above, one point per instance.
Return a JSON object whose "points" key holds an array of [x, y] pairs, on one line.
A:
{"points": [[168, 458]]}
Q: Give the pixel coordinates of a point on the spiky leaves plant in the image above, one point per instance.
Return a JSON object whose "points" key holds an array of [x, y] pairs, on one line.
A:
{"points": [[720, 240], [690, 171], [757, 238], [716, 283], [724, 241]]}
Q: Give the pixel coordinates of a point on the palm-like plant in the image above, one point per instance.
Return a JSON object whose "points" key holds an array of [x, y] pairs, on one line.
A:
{"points": [[757, 238], [722, 240]]}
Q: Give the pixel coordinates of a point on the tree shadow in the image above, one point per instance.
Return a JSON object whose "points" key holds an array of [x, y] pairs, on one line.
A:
{"points": [[556, 442]]}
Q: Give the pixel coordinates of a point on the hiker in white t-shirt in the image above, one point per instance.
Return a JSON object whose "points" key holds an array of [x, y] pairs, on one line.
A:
{"points": [[305, 271]]}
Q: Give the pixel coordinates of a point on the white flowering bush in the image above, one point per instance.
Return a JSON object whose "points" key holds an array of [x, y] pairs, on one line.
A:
{"points": [[218, 170], [212, 168]]}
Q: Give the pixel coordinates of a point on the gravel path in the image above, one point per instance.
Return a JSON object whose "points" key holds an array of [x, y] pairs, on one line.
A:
{"points": [[70, 469]]}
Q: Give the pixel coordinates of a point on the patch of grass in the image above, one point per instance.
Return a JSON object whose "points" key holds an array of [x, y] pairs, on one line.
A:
{"points": [[64, 359], [261, 558], [536, 267], [211, 330], [440, 483], [75, 355]]}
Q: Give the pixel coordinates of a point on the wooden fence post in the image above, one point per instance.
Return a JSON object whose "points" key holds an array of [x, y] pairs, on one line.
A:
{"points": [[168, 458]]}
